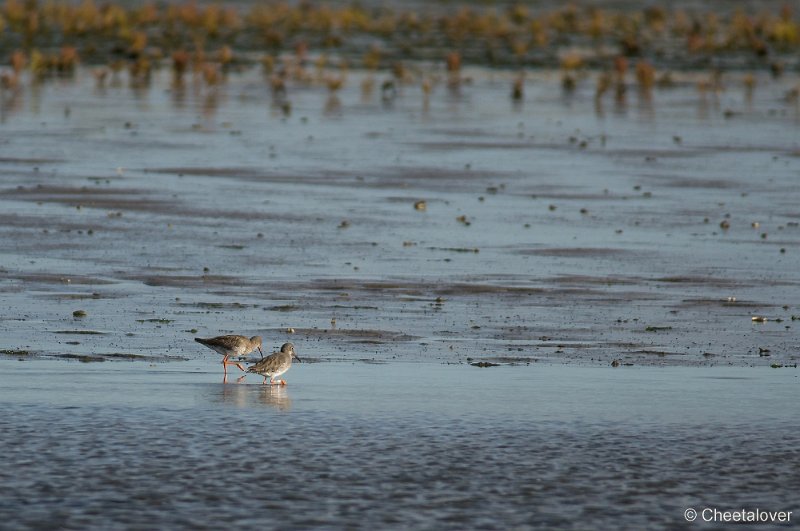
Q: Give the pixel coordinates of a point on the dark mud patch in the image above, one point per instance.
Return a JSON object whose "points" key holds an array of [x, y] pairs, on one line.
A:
{"points": [[140, 144], [671, 181], [83, 358], [125, 199], [81, 332], [420, 288], [210, 171], [689, 280], [710, 281], [596, 281], [428, 291], [577, 252], [554, 194], [411, 200], [357, 336], [569, 343], [134, 200], [513, 359], [401, 176], [49, 191], [508, 360], [125, 356], [703, 303], [469, 250], [50, 224], [470, 146], [257, 175], [567, 146], [466, 133], [660, 353], [746, 148], [218, 305], [30, 160], [654, 154], [93, 358], [381, 178], [353, 307], [77, 296], [187, 281], [118, 356], [55, 278], [14, 352], [284, 308], [657, 328]]}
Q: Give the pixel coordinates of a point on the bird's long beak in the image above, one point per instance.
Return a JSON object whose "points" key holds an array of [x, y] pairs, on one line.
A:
{"points": [[298, 359], [260, 352]]}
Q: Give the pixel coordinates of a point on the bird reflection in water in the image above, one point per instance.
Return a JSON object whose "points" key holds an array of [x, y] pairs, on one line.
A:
{"points": [[240, 379], [236, 395], [276, 396]]}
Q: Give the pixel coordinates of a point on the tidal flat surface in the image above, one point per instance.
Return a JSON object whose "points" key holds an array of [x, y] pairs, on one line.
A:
{"points": [[395, 445], [559, 227], [559, 233]]}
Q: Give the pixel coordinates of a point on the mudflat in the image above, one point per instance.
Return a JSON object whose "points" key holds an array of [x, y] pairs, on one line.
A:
{"points": [[448, 226]]}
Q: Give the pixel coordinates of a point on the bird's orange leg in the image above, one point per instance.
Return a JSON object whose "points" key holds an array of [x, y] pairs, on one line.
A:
{"points": [[225, 364]]}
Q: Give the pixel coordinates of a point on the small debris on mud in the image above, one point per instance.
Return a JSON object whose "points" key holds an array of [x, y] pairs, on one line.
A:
{"points": [[14, 352], [484, 364]]}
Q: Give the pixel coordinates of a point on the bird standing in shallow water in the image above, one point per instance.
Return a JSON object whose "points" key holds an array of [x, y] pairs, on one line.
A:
{"points": [[232, 346], [275, 364]]}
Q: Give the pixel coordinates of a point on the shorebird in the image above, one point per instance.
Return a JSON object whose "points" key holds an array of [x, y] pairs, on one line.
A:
{"points": [[232, 346], [275, 364]]}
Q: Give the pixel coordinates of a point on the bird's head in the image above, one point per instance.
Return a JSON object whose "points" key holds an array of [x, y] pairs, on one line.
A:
{"points": [[288, 348], [256, 341]]}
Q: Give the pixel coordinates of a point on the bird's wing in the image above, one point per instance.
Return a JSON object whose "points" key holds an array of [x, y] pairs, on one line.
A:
{"points": [[267, 364], [226, 342]]}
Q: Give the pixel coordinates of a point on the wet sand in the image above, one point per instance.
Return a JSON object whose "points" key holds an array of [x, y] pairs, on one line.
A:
{"points": [[560, 228]]}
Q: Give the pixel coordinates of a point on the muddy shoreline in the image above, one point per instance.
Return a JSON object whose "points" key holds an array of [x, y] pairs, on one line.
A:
{"points": [[648, 232]]}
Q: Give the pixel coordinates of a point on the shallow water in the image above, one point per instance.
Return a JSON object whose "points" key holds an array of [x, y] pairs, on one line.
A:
{"points": [[391, 445]]}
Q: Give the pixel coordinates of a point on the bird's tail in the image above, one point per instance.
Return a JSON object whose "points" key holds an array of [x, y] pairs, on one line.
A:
{"points": [[200, 340]]}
